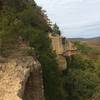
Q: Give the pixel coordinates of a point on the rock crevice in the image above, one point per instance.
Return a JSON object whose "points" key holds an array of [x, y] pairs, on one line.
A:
{"points": [[21, 79]]}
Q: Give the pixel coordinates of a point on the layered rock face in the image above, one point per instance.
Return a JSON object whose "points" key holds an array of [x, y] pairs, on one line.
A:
{"points": [[21, 79]]}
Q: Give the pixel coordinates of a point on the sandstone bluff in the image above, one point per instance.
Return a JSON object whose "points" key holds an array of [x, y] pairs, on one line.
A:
{"points": [[17, 75]]}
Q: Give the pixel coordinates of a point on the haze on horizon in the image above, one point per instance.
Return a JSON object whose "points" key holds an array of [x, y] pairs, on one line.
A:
{"points": [[76, 18]]}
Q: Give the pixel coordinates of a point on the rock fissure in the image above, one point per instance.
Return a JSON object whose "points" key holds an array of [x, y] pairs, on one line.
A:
{"points": [[21, 79]]}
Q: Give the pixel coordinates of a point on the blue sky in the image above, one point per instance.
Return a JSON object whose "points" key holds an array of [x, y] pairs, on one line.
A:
{"points": [[76, 18]]}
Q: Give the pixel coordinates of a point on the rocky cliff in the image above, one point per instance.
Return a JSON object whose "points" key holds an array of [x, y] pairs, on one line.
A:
{"points": [[21, 78]]}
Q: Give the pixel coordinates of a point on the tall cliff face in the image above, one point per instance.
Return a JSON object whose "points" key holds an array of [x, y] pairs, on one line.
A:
{"points": [[21, 79]]}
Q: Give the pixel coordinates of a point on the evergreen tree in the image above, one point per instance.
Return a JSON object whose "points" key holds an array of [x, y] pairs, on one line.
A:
{"points": [[23, 18], [56, 29]]}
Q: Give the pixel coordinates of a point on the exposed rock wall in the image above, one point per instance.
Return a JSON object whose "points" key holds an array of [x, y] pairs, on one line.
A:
{"points": [[62, 62], [34, 85], [15, 75]]}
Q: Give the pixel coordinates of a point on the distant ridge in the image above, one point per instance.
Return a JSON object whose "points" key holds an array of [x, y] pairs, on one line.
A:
{"points": [[76, 39], [85, 39], [94, 42]]}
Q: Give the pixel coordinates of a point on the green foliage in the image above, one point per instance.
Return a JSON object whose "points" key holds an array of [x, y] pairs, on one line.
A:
{"points": [[56, 29], [97, 64], [82, 47], [81, 80], [92, 51], [15, 22], [49, 65], [22, 18]]}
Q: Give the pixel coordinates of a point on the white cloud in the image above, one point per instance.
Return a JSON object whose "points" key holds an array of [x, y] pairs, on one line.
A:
{"points": [[73, 15]]}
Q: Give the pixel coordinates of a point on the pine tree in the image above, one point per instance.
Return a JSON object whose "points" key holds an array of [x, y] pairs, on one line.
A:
{"points": [[56, 29]]}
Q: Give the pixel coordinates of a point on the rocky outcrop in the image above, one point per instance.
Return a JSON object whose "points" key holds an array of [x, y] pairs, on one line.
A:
{"points": [[21, 79], [61, 62]]}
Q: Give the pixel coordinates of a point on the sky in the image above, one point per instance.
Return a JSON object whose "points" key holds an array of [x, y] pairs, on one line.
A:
{"points": [[76, 18]]}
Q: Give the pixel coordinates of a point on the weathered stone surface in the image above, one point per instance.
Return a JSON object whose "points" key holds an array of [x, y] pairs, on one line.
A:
{"points": [[62, 62], [14, 75], [34, 85]]}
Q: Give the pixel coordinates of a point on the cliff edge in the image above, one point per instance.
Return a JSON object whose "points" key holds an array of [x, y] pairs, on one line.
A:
{"points": [[21, 78]]}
